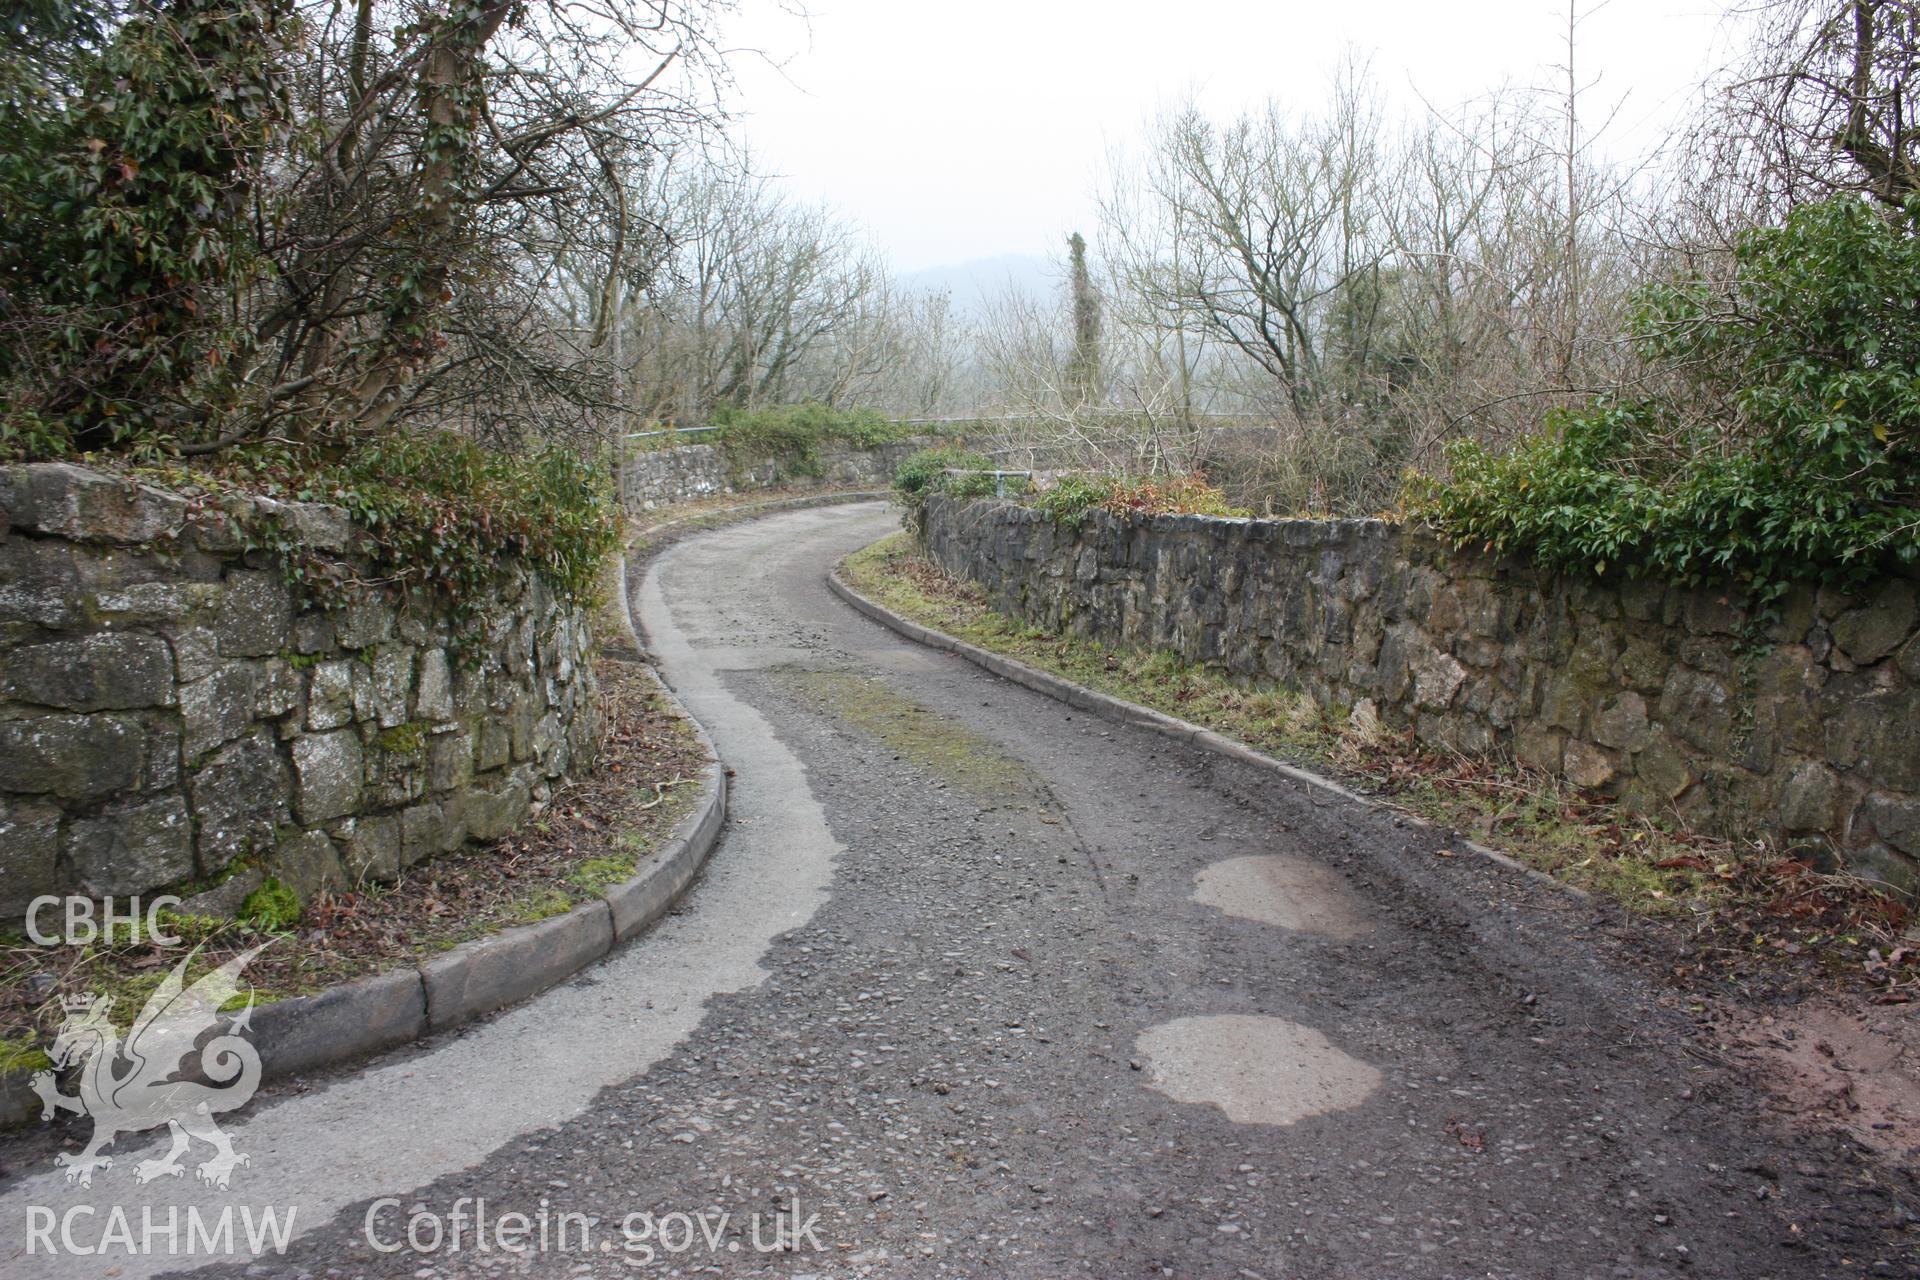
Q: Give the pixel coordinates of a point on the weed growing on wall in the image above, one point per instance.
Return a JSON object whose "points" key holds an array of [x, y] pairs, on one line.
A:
{"points": [[434, 510]]}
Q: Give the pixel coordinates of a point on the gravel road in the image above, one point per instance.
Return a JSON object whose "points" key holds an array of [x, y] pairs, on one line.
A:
{"points": [[977, 985]]}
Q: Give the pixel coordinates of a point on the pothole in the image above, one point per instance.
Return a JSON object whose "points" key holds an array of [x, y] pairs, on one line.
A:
{"points": [[1258, 1070], [1292, 893]]}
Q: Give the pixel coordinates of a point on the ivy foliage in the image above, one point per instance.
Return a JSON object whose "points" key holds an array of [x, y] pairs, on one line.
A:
{"points": [[439, 512], [1786, 448], [136, 192], [125, 214]]}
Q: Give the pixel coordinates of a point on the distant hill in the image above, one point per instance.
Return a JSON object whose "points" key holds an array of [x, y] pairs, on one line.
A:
{"points": [[973, 284]]}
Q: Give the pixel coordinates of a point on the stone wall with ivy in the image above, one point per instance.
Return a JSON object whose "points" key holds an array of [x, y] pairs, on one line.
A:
{"points": [[173, 715], [1804, 727], [654, 478]]}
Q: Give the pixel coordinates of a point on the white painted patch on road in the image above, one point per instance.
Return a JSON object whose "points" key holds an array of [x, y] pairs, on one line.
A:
{"points": [[1257, 1070], [1292, 893]]}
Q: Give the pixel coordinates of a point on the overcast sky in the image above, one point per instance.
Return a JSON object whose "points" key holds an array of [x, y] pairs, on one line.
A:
{"points": [[963, 131]]}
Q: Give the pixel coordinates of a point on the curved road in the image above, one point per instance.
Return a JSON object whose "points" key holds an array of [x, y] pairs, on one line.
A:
{"points": [[977, 985]]}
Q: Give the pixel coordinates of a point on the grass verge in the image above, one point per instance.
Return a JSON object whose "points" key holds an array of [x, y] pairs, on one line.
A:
{"points": [[1748, 908], [594, 833]]}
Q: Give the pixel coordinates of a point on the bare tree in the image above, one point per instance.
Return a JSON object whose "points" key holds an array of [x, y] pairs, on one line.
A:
{"points": [[1820, 102]]}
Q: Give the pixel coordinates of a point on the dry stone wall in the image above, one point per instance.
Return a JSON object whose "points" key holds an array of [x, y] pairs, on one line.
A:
{"points": [[1806, 729], [661, 477], [172, 715]]}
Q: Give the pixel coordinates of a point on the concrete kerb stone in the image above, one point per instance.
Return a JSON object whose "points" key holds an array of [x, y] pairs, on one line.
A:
{"points": [[1108, 707], [353, 1020], [637, 903], [514, 964]]}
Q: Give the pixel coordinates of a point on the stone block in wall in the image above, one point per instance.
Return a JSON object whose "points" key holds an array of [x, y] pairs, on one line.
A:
{"points": [[1879, 862], [1896, 820], [216, 709], [469, 691], [76, 757], [256, 614], [41, 584], [313, 633], [278, 690], [364, 621], [521, 720], [330, 694], [1879, 625], [127, 848], [161, 743], [82, 505], [1539, 748], [361, 674], [29, 853], [239, 798], [1909, 660], [218, 532], [307, 863], [1623, 724], [396, 765], [392, 685], [151, 602], [1562, 704], [493, 745], [493, 809], [416, 621], [1662, 770], [196, 653], [104, 671], [433, 694], [227, 897], [1709, 613], [1642, 599], [1588, 766], [329, 775], [450, 761], [1893, 741], [313, 524], [1461, 733], [1437, 678], [370, 848], [1643, 663], [1393, 665], [1809, 800], [1874, 730], [423, 832], [1698, 710]]}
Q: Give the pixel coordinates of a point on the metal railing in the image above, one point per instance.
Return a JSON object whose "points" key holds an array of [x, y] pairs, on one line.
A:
{"points": [[999, 477], [669, 431]]}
